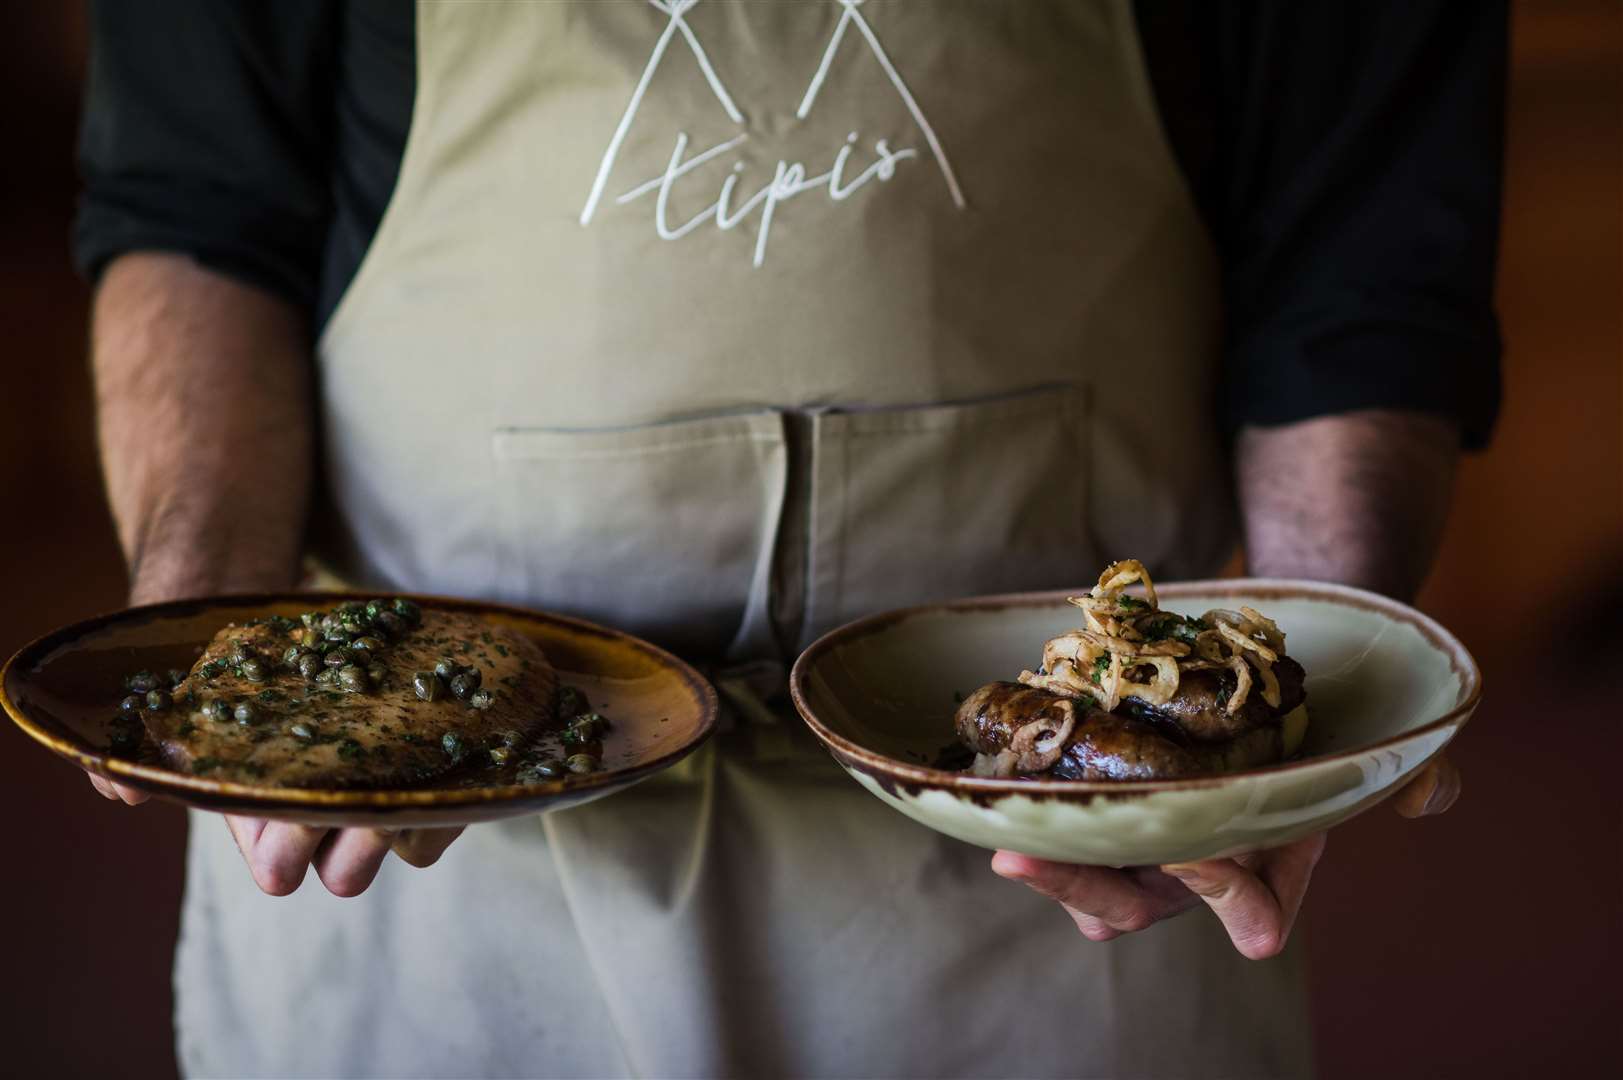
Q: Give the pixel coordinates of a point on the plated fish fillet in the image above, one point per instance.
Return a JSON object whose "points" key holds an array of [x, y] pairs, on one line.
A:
{"points": [[364, 695]]}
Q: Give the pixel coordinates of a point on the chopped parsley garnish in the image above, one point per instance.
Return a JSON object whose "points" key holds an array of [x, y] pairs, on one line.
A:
{"points": [[1101, 665], [1176, 627]]}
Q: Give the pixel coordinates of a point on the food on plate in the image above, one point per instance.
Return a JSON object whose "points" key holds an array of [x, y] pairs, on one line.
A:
{"points": [[366, 694], [1137, 693]]}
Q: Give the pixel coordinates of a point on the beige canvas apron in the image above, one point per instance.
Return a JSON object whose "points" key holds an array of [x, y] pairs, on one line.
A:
{"points": [[726, 323]]}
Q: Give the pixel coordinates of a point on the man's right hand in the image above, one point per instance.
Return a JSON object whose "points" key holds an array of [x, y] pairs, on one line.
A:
{"points": [[205, 416], [279, 853], [117, 792], [346, 860]]}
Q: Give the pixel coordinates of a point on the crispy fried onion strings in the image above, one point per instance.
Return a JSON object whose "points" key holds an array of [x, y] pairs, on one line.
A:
{"points": [[1129, 647]]}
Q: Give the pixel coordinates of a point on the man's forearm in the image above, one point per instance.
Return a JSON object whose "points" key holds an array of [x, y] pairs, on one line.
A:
{"points": [[1358, 498], [205, 420]]}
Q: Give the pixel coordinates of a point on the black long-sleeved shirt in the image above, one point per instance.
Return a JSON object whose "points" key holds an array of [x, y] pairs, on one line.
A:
{"points": [[1346, 157]]}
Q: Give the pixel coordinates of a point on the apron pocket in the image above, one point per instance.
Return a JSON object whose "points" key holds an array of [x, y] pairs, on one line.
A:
{"points": [[915, 505], [664, 530]]}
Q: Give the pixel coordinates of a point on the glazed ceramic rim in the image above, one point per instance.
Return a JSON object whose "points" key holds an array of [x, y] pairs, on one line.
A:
{"points": [[855, 755], [158, 780]]}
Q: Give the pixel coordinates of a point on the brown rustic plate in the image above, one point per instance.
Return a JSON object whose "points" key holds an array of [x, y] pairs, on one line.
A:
{"points": [[1387, 688], [63, 689]]}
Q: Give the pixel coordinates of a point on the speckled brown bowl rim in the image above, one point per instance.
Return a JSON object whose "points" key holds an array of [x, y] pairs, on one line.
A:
{"points": [[167, 782], [915, 777]]}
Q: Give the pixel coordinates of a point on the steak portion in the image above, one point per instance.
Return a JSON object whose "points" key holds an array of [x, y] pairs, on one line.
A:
{"points": [[256, 708], [1138, 693], [1135, 745], [1106, 746], [1198, 708]]}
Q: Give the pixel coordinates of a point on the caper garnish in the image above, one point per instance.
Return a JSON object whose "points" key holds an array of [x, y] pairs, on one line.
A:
{"points": [[392, 625], [505, 738], [327, 677], [353, 678], [301, 730], [500, 755], [311, 665], [310, 618], [335, 632], [589, 726], [340, 657], [453, 745], [446, 668], [254, 669], [428, 686], [464, 683], [374, 608], [377, 673], [534, 772], [481, 699], [124, 735], [571, 702], [217, 710], [581, 763], [158, 700], [291, 656], [407, 610], [133, 704], [141, 682], [242, 653], [366, 642], [245, 713], [175, 677]]}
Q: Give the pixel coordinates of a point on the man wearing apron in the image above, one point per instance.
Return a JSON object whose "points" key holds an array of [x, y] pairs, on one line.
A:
{"points": [[726, 324]]}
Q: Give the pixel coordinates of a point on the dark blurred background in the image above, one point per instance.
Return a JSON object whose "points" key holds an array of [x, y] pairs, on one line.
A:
{"points": [[1484, 943]]}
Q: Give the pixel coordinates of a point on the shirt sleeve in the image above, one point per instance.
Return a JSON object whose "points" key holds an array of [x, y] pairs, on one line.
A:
{"points": [[1356, 209], [206, 131]]}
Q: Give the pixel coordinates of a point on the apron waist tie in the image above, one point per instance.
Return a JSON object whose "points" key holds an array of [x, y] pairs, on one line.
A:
{"points": [[754, 707]]}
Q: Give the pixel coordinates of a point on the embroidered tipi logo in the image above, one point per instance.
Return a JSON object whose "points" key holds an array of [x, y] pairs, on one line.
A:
{"points": [[790, 179]]}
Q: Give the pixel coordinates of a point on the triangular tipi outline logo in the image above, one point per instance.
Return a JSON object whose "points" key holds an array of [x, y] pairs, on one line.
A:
{"points": [[791, 178]]}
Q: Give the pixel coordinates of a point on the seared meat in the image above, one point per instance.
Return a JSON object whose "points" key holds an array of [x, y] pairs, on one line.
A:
{"points": [[1197, 709], [1159, 694], [353, 717], [1190, 735], [1110, 747], [1024, 727]]}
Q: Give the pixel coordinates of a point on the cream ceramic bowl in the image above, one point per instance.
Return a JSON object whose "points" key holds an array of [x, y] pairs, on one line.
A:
{"points": [[1387, 688]]}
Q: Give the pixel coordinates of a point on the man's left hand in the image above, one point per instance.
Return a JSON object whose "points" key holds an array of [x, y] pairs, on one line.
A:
{"points": [[1256, 896]]}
